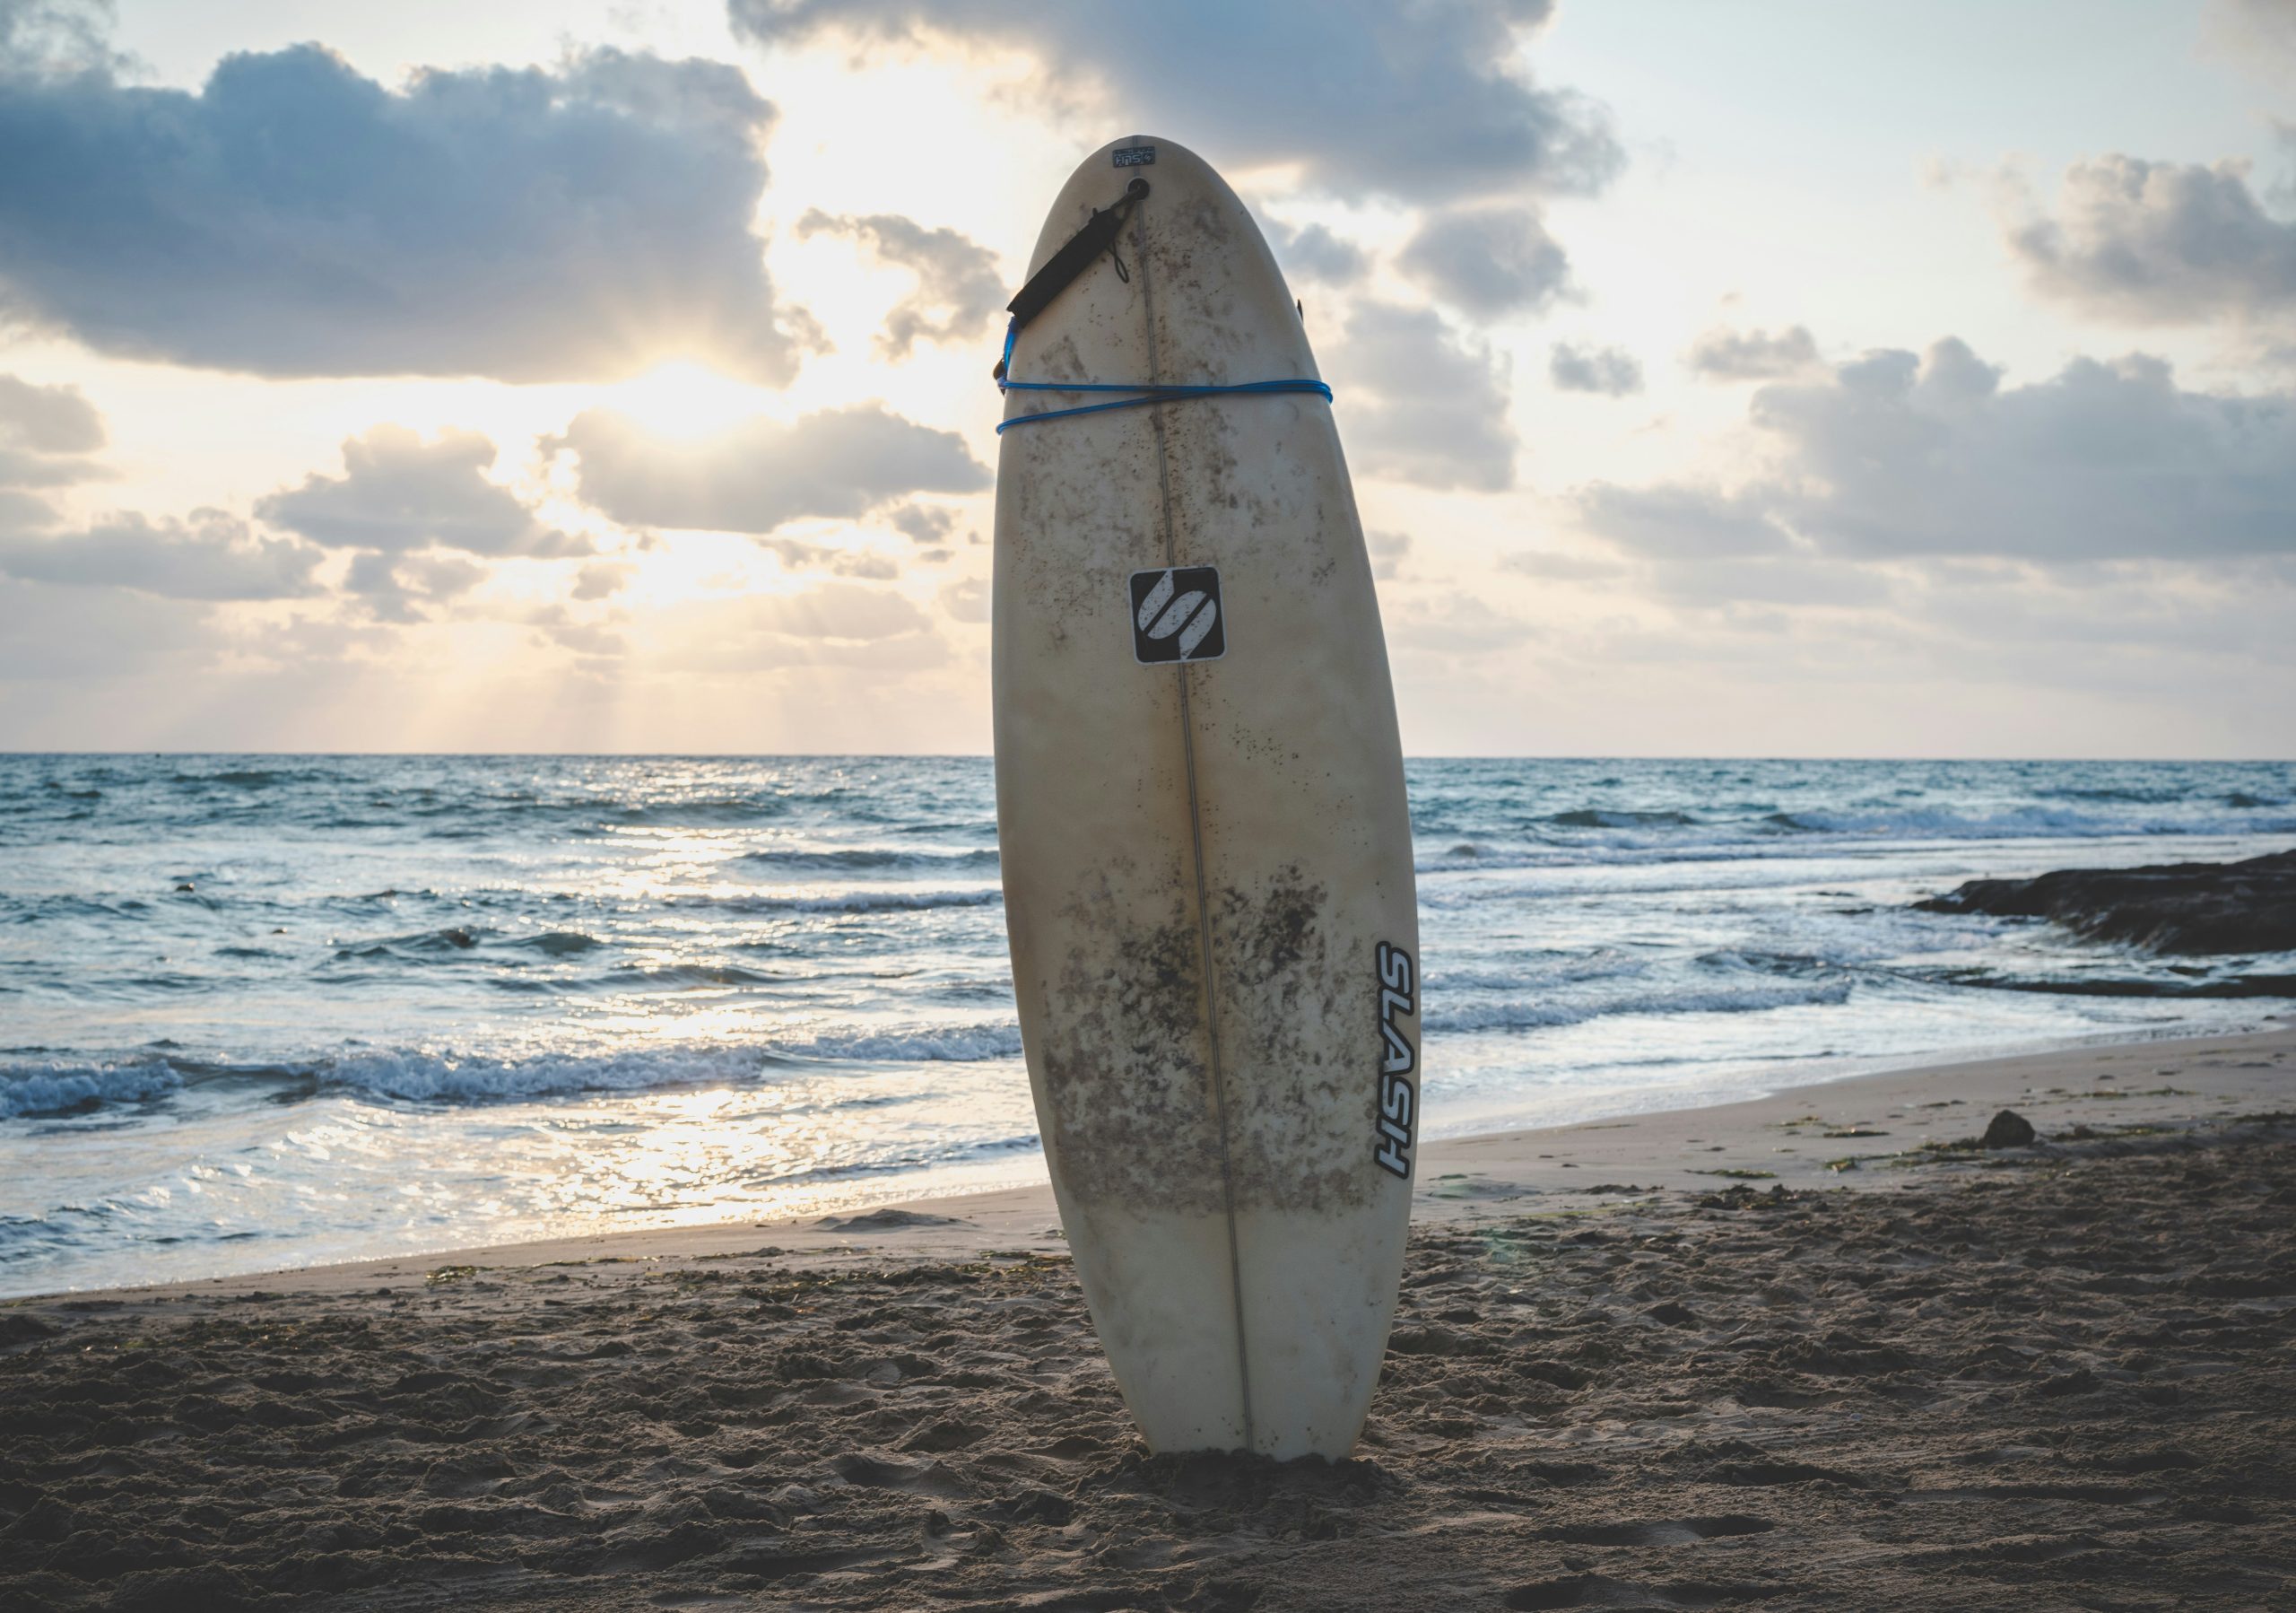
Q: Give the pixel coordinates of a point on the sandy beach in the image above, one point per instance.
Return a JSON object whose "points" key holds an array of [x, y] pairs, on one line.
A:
{"points": [[1812, 1351]]}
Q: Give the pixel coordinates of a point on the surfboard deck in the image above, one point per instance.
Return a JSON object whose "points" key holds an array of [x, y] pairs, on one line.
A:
{"points": [[1206, 850]]}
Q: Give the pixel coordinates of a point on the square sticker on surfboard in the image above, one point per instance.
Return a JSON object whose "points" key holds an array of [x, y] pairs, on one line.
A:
{"points": [[1176, 617]]}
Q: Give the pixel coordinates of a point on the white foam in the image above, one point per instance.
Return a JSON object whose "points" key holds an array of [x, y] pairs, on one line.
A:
{"points": [[1522, 1016], [60, 1089]]}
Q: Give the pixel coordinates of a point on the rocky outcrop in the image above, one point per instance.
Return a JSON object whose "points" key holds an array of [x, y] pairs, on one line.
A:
{"points": [[2184, 907]]}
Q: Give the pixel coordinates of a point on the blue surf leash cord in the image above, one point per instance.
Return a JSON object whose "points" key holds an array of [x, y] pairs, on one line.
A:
{"points": [[1141, 392]]}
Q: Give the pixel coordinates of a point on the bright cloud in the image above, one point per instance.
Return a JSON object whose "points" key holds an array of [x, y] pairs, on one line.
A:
{"points": [[399, 493], [763, 473]]}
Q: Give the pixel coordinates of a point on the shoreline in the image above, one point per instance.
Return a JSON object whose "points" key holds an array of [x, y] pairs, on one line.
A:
{"points": [[1669, 1361], [1793, 1137]]}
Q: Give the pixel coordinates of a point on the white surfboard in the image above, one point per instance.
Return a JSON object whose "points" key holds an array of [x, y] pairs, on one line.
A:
{"points": [[1206, 850]]}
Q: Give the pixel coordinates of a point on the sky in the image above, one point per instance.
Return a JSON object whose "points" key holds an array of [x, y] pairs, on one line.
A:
{"points": [[1783, 379]]}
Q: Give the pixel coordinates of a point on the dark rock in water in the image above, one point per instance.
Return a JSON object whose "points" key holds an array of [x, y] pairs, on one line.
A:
{"points": [[458, 937], [2185, 907], [2009, 1129]]}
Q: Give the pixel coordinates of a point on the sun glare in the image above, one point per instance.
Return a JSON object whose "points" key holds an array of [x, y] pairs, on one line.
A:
{"points": [[686, 400]]}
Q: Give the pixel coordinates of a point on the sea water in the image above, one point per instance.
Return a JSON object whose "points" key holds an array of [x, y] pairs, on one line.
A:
{"points": [[258, 1012]]}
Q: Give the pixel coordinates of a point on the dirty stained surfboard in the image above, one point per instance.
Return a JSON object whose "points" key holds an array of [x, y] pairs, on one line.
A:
{"points": [[1206, 847]]}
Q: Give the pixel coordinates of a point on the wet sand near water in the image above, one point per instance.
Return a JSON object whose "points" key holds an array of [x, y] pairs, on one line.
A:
{"points": [[2060, 1376]]}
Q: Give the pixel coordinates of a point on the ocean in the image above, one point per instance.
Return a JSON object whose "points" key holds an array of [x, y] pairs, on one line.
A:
{"points": [[258, 1012]]}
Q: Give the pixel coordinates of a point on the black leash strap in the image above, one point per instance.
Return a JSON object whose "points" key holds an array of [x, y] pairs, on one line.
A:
{"points": [[1082, 250]]}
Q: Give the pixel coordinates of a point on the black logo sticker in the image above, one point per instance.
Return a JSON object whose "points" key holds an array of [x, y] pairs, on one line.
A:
{"points": [[1135, 156], [1176, 617], [1397, 1120]]}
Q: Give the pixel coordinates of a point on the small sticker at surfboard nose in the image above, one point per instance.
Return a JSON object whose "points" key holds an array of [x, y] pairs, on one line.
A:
{"points": [[1176, 617], [1134, 156]]}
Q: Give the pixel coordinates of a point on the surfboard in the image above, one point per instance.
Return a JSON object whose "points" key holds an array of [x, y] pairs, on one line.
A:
{"points": [[1205, 846]]}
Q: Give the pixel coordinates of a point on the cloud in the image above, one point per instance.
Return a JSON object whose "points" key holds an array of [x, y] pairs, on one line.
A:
{"points": [[22, 512], [213, 557], [925, 525], [47, 420], [866, 563], [1753, 355], [602, 579], [957, 286], [590, 641], [761, 473], [1549, 566], [401, 494], [1388, 551], [58, 36], [2160, 243], [1611, 372], [296, 218], [1315, 253], [1455, 624], [46, 434], [66, 638], [1419, 404], [1418, 101], [395, 587], [1677, 522], [1488, 261], [966, 599], [2256, 35], [1897, 456]]}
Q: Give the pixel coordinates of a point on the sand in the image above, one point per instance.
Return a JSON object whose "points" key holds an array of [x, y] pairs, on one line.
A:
{"points": [[1684, 1360]]}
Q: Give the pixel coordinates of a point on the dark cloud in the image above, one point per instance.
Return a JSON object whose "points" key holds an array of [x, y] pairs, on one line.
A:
{"points": [[1900, 456], [1418, 404], [1753, 355], [759, 475], [211, 557], [925, 525], [2161, 243], [1611, 372], [296, 218], [1426, 100], [401, 494], [1315, 253], [58, 36], [1488, 261], [958, 286]]}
